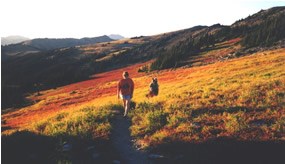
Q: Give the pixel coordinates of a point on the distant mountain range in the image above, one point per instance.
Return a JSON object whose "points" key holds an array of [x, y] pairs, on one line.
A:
{"points": [[44, 44], [18, 39], [12, 40], [49, 43], [115, 36]]}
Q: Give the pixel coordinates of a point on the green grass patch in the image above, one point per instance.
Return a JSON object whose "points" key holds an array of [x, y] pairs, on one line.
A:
{"points": [[89, 122]]}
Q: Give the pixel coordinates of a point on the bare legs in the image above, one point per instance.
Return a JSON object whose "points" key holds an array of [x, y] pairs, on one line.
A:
{"points": [[126, 106]]}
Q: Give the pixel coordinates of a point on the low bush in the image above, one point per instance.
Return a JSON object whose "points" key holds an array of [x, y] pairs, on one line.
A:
{"points": [[89, 122], [156, 120]]}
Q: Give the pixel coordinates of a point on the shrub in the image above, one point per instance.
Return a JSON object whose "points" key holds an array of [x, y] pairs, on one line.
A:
{"points": [[235, 122], [145, 107], [179, 117], [60, 116], [40, 127], [279, 125], [146, 118], [89, 122], [156, 120], [143, 69]]}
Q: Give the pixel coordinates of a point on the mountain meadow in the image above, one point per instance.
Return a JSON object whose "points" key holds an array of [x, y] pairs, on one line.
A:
{"points": [[221, 96]]}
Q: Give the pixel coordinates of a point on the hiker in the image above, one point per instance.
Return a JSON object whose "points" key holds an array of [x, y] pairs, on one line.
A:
{"points": [[153, 88], [125, 91]]}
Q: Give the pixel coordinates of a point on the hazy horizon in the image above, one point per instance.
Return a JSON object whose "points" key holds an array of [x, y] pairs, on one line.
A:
{"points": [[79, 19], [55, 37]]}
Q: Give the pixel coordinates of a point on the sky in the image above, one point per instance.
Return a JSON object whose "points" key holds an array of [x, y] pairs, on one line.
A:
{"points": [[129, 18]]}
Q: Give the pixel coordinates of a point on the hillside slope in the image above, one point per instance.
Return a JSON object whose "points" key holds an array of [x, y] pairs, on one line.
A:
{"points": [[31, 72], [59, 67], [221, 98], [206, 79], [241, 99]]}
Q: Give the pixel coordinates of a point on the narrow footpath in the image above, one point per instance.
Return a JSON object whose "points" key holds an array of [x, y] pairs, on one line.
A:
{"points": [[122, 142]]}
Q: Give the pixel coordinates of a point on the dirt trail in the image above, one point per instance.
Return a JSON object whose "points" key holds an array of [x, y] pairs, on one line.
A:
{"points": [[122, 142]]}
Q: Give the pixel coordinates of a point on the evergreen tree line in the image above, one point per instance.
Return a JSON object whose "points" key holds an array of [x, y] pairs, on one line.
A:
{"points": [[267, 33], [264, 34], [190, 47]]}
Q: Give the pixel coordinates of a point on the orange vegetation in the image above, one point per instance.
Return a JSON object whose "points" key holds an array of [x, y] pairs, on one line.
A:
{"points": [[68, 97], [220, 85]]}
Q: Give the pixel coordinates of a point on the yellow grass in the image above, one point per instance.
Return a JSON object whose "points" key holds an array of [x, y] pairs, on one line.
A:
{"points": [[254, 82]]}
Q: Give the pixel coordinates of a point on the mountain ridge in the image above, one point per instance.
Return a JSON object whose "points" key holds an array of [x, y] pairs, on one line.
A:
{"points": [[45, 44], [13, 39], [116, 36]]}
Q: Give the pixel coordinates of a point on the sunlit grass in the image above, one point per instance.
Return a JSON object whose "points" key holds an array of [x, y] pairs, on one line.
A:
{"points": [[224, 99], [89, 122], [232, 98]]}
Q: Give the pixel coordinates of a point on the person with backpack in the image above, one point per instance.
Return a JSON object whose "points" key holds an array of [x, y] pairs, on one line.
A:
{"points": [[153, 88], [125, 91]]}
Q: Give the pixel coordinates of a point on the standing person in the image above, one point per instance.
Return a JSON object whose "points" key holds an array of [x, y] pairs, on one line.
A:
{"points": [[125, 91]]}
